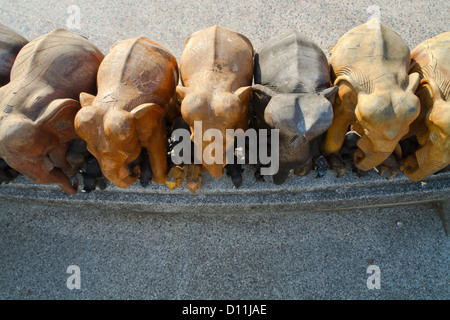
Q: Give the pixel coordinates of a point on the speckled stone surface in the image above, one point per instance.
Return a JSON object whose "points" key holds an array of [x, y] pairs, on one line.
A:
{"points": [[248, 246], [171, 22], [219, 196]]}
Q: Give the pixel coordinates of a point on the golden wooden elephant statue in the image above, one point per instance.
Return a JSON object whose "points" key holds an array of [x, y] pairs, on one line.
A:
{"points": [[376, 94], [431, 59]]}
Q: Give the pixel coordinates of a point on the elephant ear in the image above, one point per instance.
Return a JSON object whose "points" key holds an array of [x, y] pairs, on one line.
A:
{"points": [[261, 98], [182, 92], [148, 116], [432, 87], [244, 94], [330, 93], [413, 82], [86, 99], [58, 119], [353, 84], [435, 114]]}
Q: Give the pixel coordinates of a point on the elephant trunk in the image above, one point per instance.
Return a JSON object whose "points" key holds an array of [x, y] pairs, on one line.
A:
{"points": [[423, 164], [122, 177], [366, 158]]}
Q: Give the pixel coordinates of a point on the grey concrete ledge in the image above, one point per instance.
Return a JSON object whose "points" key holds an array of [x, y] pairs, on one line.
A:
{"points": [[218, 195]]}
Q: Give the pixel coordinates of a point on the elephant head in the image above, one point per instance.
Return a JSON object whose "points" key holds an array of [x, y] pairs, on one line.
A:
{"points": [[216, 113], [300, 119], [384, 115], [116, 136], [37, 148]]}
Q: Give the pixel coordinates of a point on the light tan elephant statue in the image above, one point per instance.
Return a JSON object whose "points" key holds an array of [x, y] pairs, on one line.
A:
{"points": [[431, 59], [376, 94]]}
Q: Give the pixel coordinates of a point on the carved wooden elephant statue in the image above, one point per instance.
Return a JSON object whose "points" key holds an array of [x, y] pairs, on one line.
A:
{"points": [[136, 90], [10, 44], [38, 105], [431, 59], [292, 94], [216, 70], [376, 94]]}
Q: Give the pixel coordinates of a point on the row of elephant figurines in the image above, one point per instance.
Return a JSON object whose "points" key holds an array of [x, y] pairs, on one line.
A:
{"points": [[311, 79], [88, 168]]}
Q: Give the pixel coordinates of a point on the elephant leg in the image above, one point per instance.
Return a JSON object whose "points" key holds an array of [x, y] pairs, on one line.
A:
{"points": [[158, 155], [281, 176], [39, 173], [257, 174], [344, 115], [427, 160], [173, 178], [77, 154], [304, 169], [390, 165], [335, 136], [337, 164], [234, 171], [58, 156], [7, 173], [58, 177], [146, 170], [193, 176]]}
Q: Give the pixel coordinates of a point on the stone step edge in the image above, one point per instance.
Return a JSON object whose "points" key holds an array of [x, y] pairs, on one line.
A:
{"points": [[317, 198]]}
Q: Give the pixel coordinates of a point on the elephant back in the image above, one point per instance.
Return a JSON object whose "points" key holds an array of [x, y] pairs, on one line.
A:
{"points": [[218, 56], [431, 59], [292, 63], [137, 70], [63, 60], [369, 53]]}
